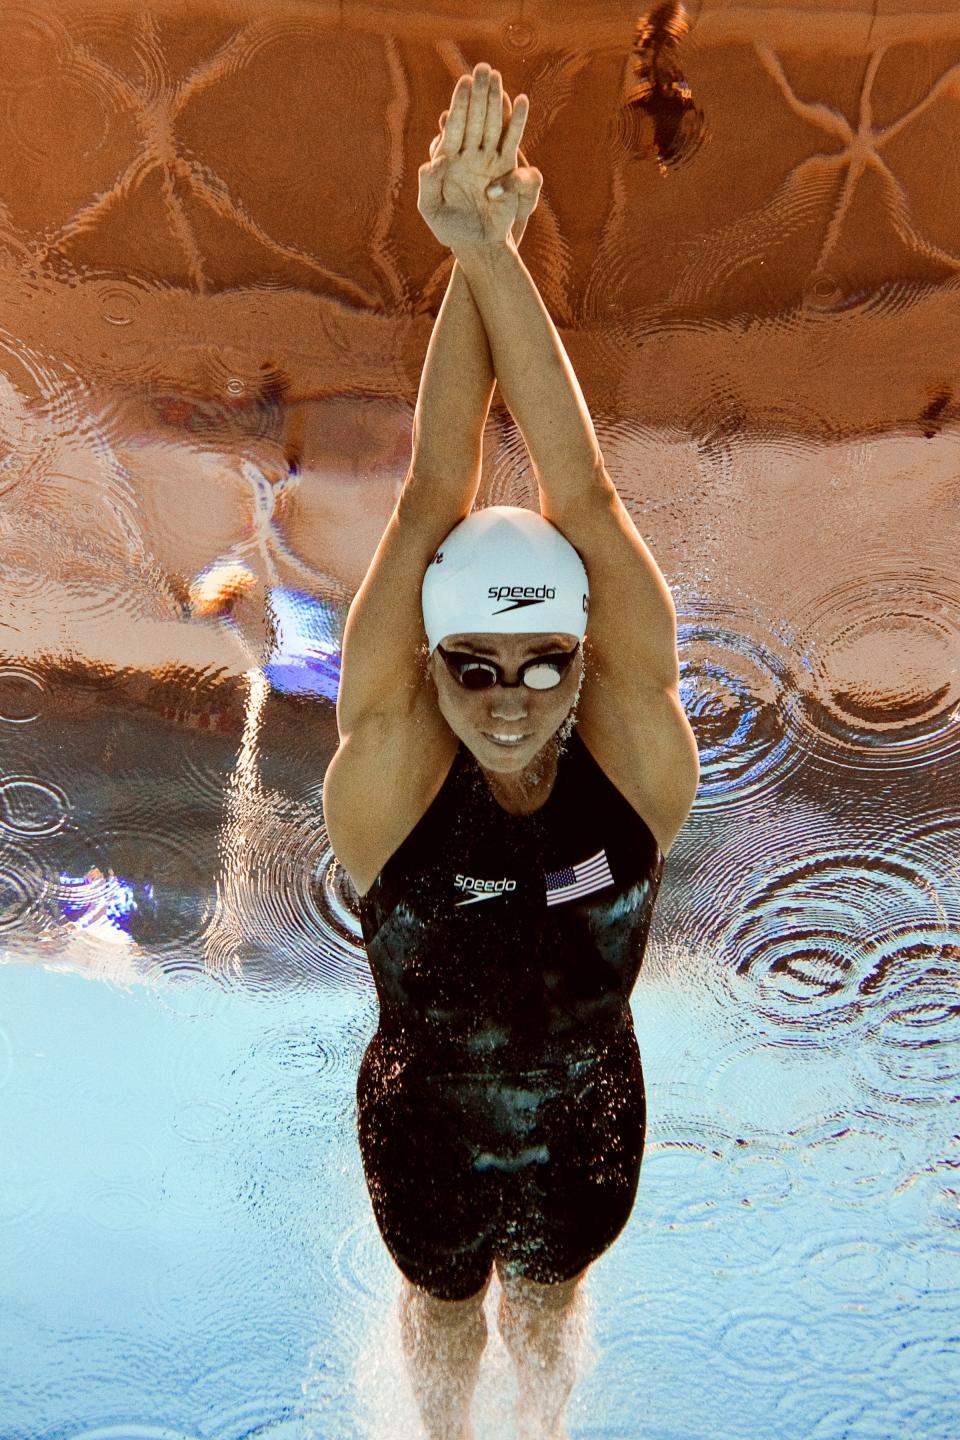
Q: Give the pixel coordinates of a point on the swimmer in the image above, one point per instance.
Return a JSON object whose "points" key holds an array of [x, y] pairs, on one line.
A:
{"points": [[514, 766]]}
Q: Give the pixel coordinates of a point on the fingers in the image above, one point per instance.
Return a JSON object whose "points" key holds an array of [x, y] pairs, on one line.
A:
{"points": [[456, 125], [494, 117], [440, 140], [477, 114], [514, 131]]}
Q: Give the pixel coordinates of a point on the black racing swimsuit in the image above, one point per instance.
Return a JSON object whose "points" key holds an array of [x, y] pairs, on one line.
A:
{"points": [[500, 1104]]}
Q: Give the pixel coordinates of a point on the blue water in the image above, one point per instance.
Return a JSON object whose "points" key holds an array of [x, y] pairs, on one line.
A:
{"points": [[188, 1248]]}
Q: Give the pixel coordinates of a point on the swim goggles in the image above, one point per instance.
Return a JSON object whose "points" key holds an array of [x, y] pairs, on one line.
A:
{"points": [[540, 673]]}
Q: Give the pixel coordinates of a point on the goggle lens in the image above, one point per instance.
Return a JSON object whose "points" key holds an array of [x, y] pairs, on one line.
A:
{"points": [[542, 673]]}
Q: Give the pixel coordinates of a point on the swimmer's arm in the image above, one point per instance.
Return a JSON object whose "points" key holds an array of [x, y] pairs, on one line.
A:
{"points": [[533, 370], [456, 388], [383, 637], [633, 626], [381, 669], [458, 379]]}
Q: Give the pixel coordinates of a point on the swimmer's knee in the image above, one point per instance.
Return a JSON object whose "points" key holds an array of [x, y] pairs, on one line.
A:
{"points": [[439, 1311], [552, 1295]]}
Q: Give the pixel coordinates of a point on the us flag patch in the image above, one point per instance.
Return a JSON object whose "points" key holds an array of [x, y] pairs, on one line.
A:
{"points": [[576, 880]]}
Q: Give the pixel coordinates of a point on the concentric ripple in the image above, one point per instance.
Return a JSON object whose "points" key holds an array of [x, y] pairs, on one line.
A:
{"points": [[40, 43], [340, 896], [22, 888], [22, 694], [735, 687], [815, 924], [16, 463], [280, 888], [36, 411], [359, 1261], [911, 1056], [879, 685], [320, 1062], [94, 103], [30, 807], [162, 871]]}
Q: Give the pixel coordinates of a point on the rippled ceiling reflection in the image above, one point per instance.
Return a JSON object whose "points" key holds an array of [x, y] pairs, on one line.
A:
{"points": [[216, 295]]}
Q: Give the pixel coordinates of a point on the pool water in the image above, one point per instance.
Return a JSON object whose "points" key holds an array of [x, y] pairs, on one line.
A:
{"points": [[208, 370]]}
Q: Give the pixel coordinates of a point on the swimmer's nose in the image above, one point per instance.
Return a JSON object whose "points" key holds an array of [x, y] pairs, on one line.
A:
{"points": [[508, 704]]}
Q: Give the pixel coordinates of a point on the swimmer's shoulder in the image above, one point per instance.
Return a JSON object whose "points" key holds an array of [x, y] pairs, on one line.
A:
{"points": [[382, 780], [647, 750]]}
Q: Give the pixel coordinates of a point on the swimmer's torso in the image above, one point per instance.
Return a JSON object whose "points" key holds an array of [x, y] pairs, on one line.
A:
{"points": [[502, 942]]}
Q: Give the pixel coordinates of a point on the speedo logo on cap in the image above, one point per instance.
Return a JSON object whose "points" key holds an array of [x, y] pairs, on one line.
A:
{"points": [[520, 595]]}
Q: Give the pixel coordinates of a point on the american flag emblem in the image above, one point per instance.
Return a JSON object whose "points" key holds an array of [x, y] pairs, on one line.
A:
{"points": [[576, 880]]}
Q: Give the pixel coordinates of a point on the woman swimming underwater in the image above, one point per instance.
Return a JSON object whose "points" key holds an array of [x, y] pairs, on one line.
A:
{"points": [[503, 808]]}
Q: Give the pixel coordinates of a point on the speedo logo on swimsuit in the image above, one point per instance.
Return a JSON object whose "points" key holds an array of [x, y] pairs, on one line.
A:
{"points": [[482, 889], [520, 595]]}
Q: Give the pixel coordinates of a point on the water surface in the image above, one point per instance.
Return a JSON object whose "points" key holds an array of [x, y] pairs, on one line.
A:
{"points": [[217, 296]]}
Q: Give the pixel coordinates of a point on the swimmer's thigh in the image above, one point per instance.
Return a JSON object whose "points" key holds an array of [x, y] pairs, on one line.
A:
{"points": [[434, 1212], [564, 1213]]}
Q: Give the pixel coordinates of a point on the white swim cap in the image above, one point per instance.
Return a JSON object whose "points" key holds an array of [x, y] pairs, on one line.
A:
{"points": [[504, 570]]}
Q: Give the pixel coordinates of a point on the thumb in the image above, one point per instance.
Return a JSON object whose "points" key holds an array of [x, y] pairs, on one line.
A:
{"points": [[529, 175], [503, 185], [516, 182], [430, 177]]}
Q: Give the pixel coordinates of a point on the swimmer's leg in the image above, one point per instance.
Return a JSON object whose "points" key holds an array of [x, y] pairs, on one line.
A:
{"points": [[443, 1341], [539, 1327]]}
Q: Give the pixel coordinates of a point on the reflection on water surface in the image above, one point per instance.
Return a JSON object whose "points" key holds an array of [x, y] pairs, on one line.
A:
{"points": [[217, 296]]}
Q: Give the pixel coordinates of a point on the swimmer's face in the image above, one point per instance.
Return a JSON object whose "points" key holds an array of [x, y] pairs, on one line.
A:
{"points": [[475, 715]]}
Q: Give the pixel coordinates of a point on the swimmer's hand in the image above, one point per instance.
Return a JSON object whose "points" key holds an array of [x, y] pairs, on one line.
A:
{"points": [[472, 187], [525, 181]]}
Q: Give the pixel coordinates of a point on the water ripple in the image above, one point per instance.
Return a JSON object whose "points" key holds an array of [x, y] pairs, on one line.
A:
{"points": [[22, 693], [327, 1058], [879, 685], [852, 1161], [164, 866], [735, 684], [277, 886], [30, 807], [201, 1122], [762, 1343], [41, 44], [77, 88], [260, 1418], [22, 889], [359, 1260], [817, 924], [134, 1430]]}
